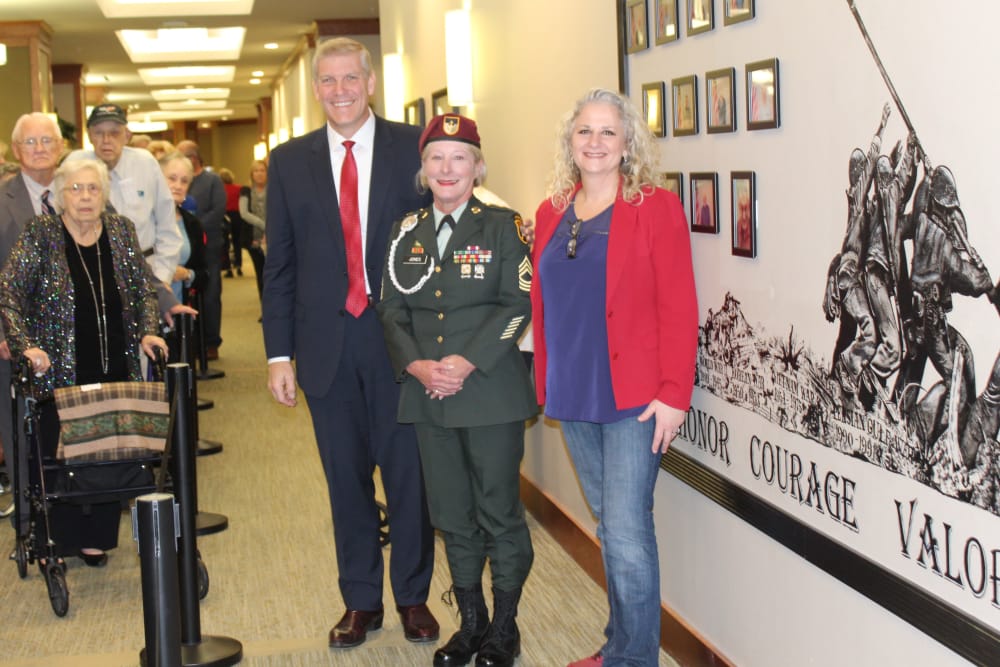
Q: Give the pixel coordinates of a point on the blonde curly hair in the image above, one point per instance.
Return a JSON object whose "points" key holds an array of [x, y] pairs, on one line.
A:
{"points": [[638, 167]]}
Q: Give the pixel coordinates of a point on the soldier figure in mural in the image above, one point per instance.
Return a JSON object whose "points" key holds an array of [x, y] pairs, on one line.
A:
{"points": [[845, 295]]}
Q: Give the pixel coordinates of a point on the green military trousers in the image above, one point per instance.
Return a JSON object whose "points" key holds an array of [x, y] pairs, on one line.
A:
{"points": [[472, 477]]}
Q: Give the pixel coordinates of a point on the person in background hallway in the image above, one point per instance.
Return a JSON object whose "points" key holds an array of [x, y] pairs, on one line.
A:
{"points": [[140, 141], [8, 170], [209, 194], [234, 224], [615, 323], [332, 197], [76, 300], [453, 339], [253, 211], [190, 273], [138, 190], [159, 148]]}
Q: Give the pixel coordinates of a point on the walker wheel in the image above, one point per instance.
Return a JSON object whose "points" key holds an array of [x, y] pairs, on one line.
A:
{"points": [[203, 581], [55, 580], [383, 525], [21, 556]]}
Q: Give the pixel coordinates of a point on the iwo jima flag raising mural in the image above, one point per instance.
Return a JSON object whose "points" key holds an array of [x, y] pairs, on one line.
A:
{"points": [[884, 443]]}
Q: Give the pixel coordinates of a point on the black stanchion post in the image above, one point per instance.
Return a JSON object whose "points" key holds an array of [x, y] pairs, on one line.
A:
{"points": [[185, 327], [154, 527], [206, 523], [204, 372], [196, 650]]}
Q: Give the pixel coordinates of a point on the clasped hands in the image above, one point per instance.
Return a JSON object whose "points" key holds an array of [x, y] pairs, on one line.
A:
{"points": [[441, 378]]}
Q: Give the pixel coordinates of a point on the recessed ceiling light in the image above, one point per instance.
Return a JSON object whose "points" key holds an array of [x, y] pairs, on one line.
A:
{"points": [[257, 73], [118, 9], [198, 114], [255, 82], [271, 46], [188, 92], [168, 45], [178, 76], [188, 105]]}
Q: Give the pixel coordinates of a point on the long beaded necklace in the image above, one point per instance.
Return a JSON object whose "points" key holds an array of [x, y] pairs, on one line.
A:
{"points": [[102, 313]]}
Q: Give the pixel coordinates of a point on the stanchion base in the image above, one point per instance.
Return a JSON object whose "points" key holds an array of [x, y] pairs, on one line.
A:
{"points": [[205, 403], [209, 447], [209, 374], [212, 652], [207, 523]]}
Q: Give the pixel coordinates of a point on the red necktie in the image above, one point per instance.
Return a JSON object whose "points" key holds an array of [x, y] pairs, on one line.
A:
{"points": [[357, 297]]}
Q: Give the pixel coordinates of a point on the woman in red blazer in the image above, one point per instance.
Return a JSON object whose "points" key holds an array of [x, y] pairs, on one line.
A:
{"points": [[615, 331]]}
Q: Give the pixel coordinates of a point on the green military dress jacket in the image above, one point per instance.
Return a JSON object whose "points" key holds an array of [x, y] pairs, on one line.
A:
{"points": [[472, 301]]}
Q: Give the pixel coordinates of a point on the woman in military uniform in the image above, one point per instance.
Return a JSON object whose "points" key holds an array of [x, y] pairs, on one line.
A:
{"points": [[455, 299]]}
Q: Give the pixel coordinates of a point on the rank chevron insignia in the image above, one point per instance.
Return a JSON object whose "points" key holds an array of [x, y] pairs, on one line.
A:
{"points": [[524, 275]]}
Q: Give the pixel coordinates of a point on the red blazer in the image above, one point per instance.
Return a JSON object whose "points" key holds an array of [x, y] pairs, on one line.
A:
{"points": [[652, 309]]}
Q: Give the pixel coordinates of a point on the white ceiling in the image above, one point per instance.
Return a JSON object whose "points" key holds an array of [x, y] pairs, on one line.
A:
{"points": [[82, 35]]}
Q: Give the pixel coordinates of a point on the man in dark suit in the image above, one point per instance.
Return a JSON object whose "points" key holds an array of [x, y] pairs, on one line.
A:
{"points": [[37, 143], [332, 197]]}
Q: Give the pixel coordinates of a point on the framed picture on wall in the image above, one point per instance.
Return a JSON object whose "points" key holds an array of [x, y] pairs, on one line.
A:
{"points": [[700, 16], [737, 11], [744, 213], [667, 25], [684, 95], [652, 108], [762, 95], [720, 94], [704, 202], [414, 112], [674, 182], [439, 103], [637, 31]]}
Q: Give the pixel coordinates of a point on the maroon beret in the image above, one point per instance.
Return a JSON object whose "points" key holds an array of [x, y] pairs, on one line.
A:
{"points": [[450, 127]]}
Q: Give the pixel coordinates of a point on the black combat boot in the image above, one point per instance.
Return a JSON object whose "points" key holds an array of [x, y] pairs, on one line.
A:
{"points": [[475, 621], [502, 643]]}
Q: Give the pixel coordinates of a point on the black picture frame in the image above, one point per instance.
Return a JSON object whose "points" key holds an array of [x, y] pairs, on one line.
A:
{"points": [[439, 103], [743, 213], [653, 107], [673, 181], [720, 100], [684, 103], [704, 202], [667, 21], [700, 16], [763, 93], [415, 113], [637, 26], [738, 11]]}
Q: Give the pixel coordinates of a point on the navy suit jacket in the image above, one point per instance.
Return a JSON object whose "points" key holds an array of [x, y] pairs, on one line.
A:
{"points": [[305, 273]]}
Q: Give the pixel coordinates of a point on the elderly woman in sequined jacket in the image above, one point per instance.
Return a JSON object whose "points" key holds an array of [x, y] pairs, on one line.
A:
{"points": [[75, 296]]}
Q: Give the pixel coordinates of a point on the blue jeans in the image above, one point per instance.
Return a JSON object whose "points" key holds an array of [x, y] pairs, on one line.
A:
{"points": [[618, 471]]}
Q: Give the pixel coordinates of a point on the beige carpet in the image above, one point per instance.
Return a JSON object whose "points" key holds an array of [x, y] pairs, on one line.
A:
{"points": [[273, 572]]}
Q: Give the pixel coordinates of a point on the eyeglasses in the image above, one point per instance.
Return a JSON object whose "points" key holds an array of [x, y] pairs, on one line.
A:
{"points": [[80, 188], [574, 235], [31, 142]]}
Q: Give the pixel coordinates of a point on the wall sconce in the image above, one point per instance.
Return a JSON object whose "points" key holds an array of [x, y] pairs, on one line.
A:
{"points": [[458, 57], [259, 150], [282, 135], [392, 73], [3, 55], [272, 140], [298, 126]]}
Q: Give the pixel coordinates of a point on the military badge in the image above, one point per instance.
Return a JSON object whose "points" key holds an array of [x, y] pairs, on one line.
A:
{"points": [[519, 223], [480, 271], [466, 271], [450, 125], [524, 272], [409, 222]]}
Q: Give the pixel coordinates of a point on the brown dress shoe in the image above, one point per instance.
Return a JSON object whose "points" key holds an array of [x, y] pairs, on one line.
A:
{"points": [[352, 630], [212, 353], [419, 624]]}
